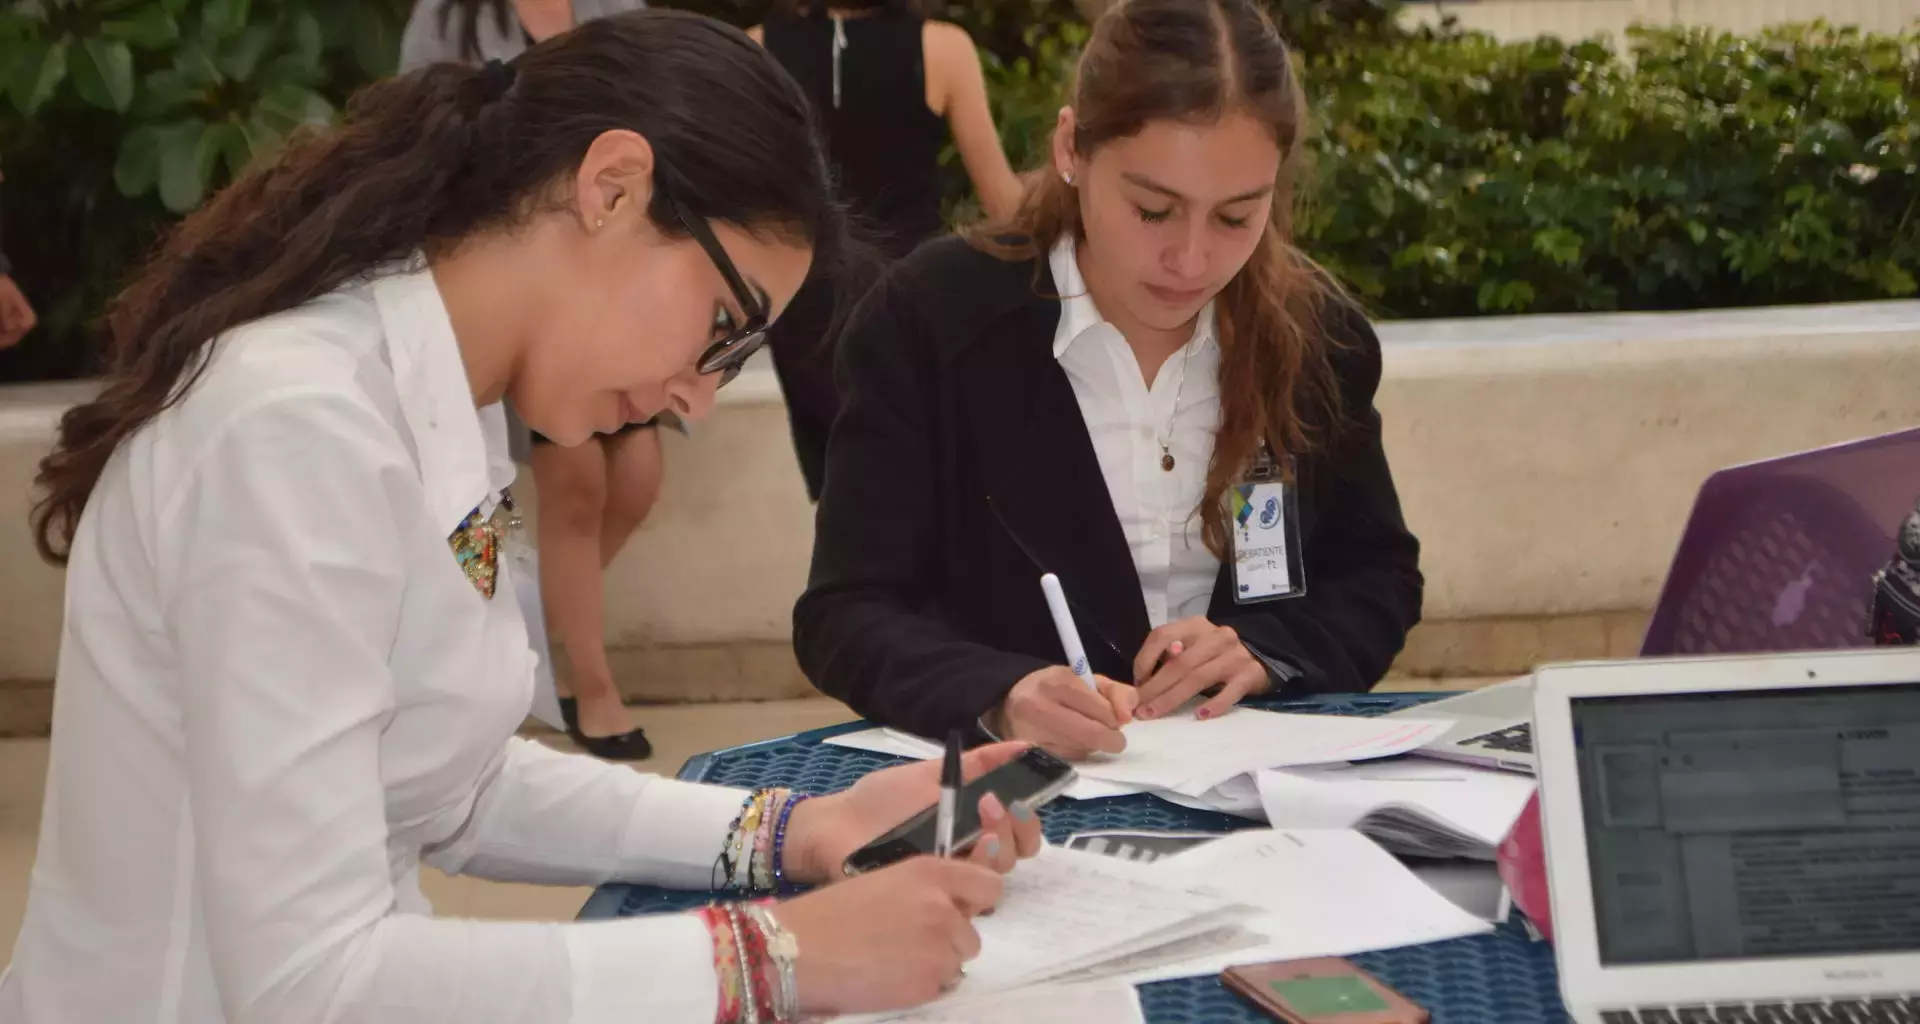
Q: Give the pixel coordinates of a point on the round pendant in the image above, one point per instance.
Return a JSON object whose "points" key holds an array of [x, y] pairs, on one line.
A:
{"points": [[1166, 461]]}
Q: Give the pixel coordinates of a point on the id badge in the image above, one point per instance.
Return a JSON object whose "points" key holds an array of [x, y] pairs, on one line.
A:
{"points": [[1266, 536]]}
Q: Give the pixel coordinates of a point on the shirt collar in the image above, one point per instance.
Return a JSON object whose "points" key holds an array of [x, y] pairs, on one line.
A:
{"points": [[462, 450], [1079, 314]]}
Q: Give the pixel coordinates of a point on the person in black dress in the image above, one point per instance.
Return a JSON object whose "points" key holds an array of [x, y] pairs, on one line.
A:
{"points": [[887, 85]]}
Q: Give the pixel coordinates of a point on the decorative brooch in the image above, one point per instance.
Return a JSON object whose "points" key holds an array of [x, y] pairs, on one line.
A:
{"points": [[477, 541]]}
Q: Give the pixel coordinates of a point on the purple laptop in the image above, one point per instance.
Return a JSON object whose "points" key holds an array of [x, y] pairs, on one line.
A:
{"points": [[1780, 555], [1777, 556]]}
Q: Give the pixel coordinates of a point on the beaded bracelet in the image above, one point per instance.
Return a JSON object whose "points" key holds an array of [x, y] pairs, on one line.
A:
{"points": [[729, 966], [779, 858], [753, 987], [753, 857]]}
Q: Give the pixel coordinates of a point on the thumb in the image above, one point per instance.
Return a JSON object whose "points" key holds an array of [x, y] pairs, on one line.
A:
{"points": [[1124, 698]]}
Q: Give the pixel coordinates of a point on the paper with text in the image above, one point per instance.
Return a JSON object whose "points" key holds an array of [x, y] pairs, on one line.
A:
{"points": [[1188, 756], [1324, 892]]}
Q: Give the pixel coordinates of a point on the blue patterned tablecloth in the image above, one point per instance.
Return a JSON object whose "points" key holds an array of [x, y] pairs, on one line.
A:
{"points": [[1501, 978]]}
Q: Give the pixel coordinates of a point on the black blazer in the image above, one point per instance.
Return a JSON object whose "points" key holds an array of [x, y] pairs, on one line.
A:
{"points": [[960, 470]]}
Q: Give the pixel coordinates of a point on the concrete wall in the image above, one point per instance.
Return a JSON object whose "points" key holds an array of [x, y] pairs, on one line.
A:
{"points": [[1548, 463], [1579, 19]]}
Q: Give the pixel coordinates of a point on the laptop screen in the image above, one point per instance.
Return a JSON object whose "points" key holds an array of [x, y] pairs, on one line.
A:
{"points": [[1753, 824]]}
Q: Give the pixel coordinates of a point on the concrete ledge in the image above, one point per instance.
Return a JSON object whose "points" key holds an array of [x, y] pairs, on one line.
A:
{"points": [[1548, 464]]}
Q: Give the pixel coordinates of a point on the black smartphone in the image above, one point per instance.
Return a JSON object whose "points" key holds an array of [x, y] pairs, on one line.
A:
{"points": [[1033, 779]]}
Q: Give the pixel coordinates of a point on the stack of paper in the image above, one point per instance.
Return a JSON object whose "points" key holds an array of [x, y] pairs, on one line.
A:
{"points": [[1070, 914], [1074, 919], [1322, 892], [1181, 756], [1415, 807]]}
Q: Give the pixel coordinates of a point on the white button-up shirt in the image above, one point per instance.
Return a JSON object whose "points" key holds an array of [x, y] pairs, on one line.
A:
{"points": [[279, 695], [1128, 421]]}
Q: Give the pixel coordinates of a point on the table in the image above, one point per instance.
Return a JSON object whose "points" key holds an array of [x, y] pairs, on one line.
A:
{"points": [[1501, 978]]}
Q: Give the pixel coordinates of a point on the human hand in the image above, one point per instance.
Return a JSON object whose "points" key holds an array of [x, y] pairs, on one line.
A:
{"points": [[888, 940], [1199, 656], [16, 313], [826, 830], [1054, 709]]}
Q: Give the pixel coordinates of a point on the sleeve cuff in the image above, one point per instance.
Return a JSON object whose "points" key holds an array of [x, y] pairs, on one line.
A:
{"points": [[642, 969], [676, 833], [1284, 676]]}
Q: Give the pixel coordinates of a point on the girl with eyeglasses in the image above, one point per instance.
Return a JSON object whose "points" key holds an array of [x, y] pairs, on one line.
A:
{"points": [[1137, 384], [289, 677]]}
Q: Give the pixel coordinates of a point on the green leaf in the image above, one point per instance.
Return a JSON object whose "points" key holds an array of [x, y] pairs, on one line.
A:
{"points": [[150, 28], [163, 94], [187, 154], [236, 150], [223, 19], [137, 168], [103, 74], [239, 59], [38, 76], [375, 47]]}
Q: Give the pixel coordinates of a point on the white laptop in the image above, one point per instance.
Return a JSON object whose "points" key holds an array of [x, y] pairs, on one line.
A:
{"points": [[1734, 839]]}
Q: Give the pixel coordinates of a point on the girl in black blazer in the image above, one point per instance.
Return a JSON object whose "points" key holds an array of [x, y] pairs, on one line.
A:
{"points": [[1079, 391]]}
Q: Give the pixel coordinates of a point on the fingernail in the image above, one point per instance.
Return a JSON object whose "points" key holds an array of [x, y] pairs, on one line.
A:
{"points": [[991, 809], [993, 847], [1022, 813], [1203, 714]]}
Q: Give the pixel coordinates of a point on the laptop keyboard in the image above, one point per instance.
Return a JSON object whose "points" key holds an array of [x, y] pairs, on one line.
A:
{"points": [[1514, 740], [1851, 1011]]}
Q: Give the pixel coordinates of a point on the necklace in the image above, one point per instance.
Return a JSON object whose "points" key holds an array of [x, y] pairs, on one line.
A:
{"points": [[1166, 440]]}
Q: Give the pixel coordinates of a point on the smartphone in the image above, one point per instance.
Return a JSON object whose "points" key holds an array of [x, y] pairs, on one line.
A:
{"points": [[1033, 779], [1323, 990]]}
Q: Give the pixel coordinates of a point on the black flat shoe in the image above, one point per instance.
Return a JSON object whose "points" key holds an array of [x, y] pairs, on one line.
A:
{"points": [[627, 746]]}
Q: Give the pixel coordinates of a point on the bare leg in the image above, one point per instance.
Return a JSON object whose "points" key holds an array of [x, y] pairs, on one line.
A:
{"points": [[573, 495], [633, 484]]}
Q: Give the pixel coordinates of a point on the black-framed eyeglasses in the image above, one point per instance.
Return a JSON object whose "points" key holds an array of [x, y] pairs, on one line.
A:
{"points": [[728, 355]]}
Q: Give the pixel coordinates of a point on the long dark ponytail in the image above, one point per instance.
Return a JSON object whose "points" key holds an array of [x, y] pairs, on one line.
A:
{"points": [[427, 159]]}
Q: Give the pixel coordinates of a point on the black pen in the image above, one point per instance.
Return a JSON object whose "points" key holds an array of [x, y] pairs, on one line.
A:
{"points": [[949, 798]]}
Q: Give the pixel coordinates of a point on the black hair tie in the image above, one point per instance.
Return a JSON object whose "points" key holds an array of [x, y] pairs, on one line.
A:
{"points": [[496, 77]]}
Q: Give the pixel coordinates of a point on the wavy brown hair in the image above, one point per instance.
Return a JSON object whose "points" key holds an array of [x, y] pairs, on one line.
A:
{"points": [[428, 159], [1196, 61]]}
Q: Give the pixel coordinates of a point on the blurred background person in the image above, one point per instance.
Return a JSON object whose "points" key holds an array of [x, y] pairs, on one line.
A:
{"points": [[16, 313], [592, 495], [888, 85]]}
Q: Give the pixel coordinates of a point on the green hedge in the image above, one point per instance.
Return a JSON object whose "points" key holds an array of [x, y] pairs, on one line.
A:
{"points": [[1453, 175], [1458, 176]]}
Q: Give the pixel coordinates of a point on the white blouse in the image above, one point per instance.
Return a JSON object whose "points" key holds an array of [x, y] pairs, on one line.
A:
{"points": [[279, 695], [1159, 510]]}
